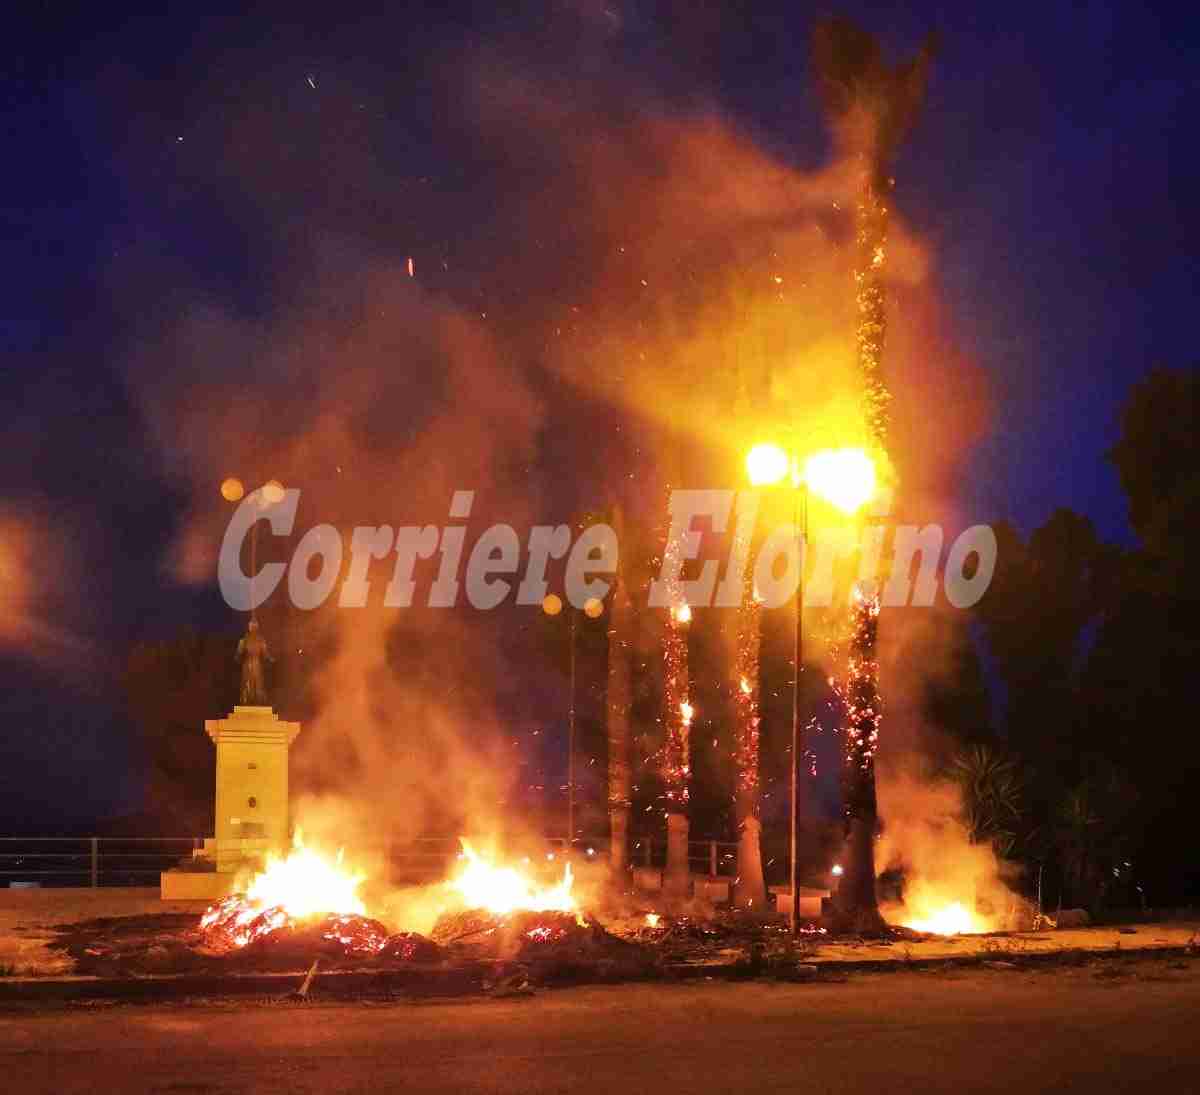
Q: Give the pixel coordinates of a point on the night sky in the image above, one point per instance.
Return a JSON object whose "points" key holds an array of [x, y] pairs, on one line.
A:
{"points": [[1052, 174]]}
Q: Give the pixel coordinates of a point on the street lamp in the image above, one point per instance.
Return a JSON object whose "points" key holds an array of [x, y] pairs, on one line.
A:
{"points": [[272, 492], [845, 478], [552, 605]]}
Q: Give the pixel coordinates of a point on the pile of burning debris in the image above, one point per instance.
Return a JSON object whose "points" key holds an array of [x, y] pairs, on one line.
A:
{"points": [[494, 913], [239, 923], [305, 907]]}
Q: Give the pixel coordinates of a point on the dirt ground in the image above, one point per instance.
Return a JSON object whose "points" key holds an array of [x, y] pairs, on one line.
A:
{"points": [[26, 916]]}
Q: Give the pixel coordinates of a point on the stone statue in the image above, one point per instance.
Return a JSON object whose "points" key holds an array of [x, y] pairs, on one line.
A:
{"points": [[252, 651]]}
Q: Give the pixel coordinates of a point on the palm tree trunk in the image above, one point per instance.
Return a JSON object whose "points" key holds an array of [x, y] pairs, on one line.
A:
{"points": [[677, 719], [750, 889], [857, 905], [871, 105], [619, 698]]}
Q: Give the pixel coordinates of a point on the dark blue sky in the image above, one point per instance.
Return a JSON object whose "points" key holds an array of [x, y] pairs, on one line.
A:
{"points": [[1053, 173]]}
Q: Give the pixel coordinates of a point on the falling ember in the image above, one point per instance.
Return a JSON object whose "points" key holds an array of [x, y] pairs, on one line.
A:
{"points": [[503, 890], [652, 920], [683, 614], [686, 711], [745, 687]]}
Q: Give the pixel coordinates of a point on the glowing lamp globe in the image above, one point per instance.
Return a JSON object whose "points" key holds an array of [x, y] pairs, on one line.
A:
{"points": [[273, 492], [552, 604], [766, 464], [232, 489], [593, 607]]}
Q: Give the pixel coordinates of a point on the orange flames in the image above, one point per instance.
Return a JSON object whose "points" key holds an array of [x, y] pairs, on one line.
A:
{"points": [[482, 884], [927, 908], [306, 885], [951, 919], [302, 885]]}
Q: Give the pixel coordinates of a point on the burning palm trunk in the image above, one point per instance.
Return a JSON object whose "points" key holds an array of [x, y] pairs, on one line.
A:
{"points": [[859, 692], [871, 105], [677, 715], [677, 723], [750, 890], [860, 688]]}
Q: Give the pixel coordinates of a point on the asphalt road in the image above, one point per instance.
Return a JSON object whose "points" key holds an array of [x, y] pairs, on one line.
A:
{"points": [[1122, 1027]]}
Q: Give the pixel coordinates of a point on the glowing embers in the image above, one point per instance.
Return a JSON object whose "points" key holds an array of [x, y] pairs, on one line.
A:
{"points": [[304, 890], [506, 910], [857, 688], [238, 922]]}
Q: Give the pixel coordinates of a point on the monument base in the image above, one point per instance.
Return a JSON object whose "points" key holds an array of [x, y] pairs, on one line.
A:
{"points": [[177, 885], [811, 899], [252, 785]]}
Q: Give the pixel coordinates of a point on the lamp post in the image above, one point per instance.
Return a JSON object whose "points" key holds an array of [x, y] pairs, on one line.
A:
{"points": [[552, 605], [846, 478], [232, 490]]}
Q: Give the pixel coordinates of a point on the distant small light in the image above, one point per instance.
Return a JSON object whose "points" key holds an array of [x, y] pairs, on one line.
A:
{"points": [[591, 851], [550, 855], [837, 869]]}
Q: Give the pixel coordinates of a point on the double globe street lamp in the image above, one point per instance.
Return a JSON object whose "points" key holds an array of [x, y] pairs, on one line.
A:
{"points": [[846, 479]]}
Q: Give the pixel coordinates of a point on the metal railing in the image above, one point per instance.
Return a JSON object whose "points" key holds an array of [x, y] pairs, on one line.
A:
{"points": [[138, 861], [91, 861], [716, 858]]}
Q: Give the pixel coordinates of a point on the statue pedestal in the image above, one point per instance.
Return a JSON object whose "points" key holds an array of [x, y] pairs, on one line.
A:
{"points": [[252, 784]]}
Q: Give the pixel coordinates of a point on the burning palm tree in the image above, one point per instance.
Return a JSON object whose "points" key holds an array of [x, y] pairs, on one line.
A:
{"points": [[677, 711], [870, 105]]}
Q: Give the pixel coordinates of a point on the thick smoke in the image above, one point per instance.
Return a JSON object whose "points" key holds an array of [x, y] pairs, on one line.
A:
{"points": [[630, 285]]}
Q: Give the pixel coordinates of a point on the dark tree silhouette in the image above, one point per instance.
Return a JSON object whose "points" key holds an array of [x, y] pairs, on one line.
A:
{"points": [[171, 687]]}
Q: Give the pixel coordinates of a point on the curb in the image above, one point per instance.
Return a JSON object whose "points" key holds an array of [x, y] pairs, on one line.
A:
{"points": [[468, 979]]}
